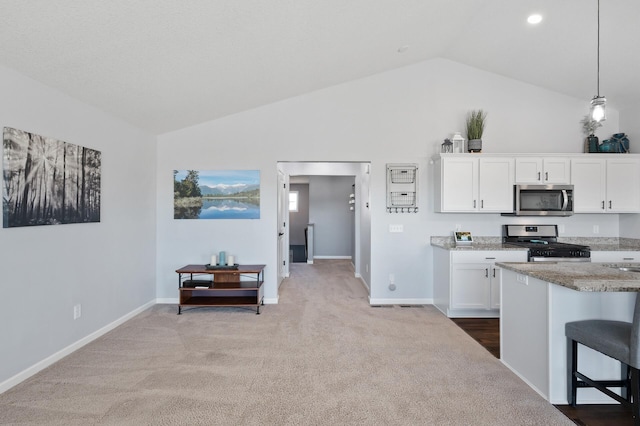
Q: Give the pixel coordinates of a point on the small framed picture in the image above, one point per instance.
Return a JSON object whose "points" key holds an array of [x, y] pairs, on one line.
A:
{"points": [[463, 238]]}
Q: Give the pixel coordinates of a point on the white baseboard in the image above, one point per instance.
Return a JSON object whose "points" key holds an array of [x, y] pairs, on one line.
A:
{"points": [[39, 366], [364, 283], [400, 301], [271, 301]]}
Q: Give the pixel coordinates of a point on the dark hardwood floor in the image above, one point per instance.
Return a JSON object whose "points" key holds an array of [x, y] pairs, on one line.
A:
{"points": [[486, 331]]}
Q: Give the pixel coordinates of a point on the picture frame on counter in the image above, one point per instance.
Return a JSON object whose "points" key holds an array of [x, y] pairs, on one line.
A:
{"points": [[463, 238]]}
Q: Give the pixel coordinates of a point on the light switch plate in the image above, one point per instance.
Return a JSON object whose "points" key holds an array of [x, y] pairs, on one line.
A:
{"points": [[396, 228]]}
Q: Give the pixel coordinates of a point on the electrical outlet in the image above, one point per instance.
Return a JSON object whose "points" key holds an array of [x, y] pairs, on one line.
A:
{"points": [[596, 229], [560, 229], [396, 228], [77, 311], [392, 278]]}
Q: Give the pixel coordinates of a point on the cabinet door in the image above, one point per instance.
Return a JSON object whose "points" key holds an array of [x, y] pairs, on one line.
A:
{"points": [[495, 185], [623, 185], [528, 171], [556, 170], [470, 286], [588, 176], [542, 171], [459, 180]]}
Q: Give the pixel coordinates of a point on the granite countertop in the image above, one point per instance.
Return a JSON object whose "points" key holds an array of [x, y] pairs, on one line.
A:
{"points": [[479, 243], [580, 276], [495, 243], [604, 243]]}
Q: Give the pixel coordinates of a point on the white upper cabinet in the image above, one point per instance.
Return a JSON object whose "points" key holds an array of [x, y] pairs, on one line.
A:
{"points": [[495, 186], [457, 183], [588, 176], [609, 185], [480, 183], [623, 185], [472, 184], [542, 170]]}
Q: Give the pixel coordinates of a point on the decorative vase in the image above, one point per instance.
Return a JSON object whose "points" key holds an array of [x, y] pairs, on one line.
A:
{"points": [[607, 146], [593, 142], [474, 145], [623, 142]]}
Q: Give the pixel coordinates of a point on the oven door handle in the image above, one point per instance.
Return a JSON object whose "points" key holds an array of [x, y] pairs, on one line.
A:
{"points": [[565, 200]]}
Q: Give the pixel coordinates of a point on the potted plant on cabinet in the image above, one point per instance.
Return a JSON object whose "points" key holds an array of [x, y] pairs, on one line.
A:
{"points": [[589, 126], [476, 121]]}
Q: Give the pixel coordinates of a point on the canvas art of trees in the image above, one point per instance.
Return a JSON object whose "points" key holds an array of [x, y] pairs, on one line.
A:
{"points": [[48, 181]]}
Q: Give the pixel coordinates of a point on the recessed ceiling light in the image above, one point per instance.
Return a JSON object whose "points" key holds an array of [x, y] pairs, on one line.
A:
{"points": [[403, 49], [534, 19]]}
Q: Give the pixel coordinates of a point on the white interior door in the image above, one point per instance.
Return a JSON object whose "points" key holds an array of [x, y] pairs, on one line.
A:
{"points": [[282, 223]]}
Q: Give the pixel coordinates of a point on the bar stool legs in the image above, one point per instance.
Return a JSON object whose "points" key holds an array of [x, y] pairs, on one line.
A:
{"points": [[572, 369], [629, 383]]}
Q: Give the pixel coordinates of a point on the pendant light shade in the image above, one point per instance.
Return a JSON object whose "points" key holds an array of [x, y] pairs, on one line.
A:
{"points": [[598, 103], [598, 108]]}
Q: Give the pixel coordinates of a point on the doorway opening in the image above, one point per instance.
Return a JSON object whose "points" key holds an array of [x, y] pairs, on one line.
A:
{"points": [[327, 218]]}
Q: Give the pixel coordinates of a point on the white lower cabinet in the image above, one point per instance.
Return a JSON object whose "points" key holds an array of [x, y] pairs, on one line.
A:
{"points": [[467, 283]]}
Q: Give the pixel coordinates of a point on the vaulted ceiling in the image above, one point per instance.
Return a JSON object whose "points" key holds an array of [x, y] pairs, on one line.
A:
{"points": [[167, 64]]}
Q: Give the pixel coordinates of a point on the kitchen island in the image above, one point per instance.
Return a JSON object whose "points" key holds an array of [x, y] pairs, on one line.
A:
{"points": [[538, 299]]}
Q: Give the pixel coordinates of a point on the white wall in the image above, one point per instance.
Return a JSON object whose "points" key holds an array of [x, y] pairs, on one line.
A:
{"points": [[630, 124], [107, 267], [400, 116], [330, 214]]}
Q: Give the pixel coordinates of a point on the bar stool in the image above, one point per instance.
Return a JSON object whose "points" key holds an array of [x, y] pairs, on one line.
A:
{"points": [[616, 339]]}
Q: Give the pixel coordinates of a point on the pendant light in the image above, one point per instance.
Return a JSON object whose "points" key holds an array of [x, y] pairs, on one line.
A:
{"points": [[598, 103]]}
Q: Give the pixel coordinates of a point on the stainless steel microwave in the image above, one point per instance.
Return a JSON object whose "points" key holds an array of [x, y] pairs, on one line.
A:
{"points": [[543, 200]]}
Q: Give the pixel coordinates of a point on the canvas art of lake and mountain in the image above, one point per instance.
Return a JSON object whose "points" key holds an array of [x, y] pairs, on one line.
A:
{"points": [[219, 194]]}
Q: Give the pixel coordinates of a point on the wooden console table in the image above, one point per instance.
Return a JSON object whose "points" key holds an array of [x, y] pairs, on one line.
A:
{"points": [[221, 287]]}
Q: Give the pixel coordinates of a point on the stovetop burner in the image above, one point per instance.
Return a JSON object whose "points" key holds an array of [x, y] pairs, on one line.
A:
{"points": [[541, 240]]}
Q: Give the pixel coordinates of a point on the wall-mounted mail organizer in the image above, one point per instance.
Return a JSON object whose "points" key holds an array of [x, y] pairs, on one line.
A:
{"points": [[402, 188]]}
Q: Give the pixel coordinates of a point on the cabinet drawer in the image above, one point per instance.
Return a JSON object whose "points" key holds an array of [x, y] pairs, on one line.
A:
{"points": [[482, 256], [615, 256]]}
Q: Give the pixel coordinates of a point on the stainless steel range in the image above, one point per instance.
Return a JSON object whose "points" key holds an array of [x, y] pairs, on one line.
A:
{"points": [[541, 240]]}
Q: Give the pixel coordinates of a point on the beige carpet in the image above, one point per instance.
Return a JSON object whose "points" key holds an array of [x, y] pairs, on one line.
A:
{"points": [[322, 356]]}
